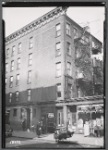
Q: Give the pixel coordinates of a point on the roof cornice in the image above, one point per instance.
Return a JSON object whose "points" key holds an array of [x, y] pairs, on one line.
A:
{"points": [[36, 24]]}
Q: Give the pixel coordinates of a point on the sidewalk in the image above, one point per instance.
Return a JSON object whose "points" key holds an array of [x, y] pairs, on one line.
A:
{"points": [[79, 138]]}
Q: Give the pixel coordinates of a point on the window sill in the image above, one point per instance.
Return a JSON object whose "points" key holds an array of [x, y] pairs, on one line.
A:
{"points": [[57, 36]]}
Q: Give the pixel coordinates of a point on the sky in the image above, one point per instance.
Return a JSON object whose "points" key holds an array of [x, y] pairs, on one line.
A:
{"points": [[17, 17]]}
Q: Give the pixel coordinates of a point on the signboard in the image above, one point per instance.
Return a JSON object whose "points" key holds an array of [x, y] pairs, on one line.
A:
{"points": [[50, 115]]}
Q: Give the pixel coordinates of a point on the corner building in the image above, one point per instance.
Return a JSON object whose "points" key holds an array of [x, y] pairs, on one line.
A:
{"points": [[43, 80]]}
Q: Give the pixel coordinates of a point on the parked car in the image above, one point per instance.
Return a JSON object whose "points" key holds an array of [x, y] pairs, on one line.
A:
{"points": [[8, 130]]}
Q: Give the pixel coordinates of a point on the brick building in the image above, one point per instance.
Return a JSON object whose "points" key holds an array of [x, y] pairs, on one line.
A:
{"points": [[47, 77]]}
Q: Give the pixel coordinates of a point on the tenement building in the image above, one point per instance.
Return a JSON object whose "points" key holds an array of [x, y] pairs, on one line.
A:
{"points": [[53, 74]]}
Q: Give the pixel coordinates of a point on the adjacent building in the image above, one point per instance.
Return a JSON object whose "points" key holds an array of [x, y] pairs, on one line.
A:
{"points": [[53, 74]]}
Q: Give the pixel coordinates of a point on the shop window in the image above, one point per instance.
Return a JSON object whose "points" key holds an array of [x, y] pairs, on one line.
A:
{"points": [[58, 29], [15, 112], [11, 81], [30, 60], [17, 79], [10, 97], [29, 76], [29, 94], [58, 90], [58, 69], [68, 32], [13, 50], [17, 96], [18, 63], [69, 68], [31, 42], [12, 65], [68, 48], [58, 49], [19, 47]]}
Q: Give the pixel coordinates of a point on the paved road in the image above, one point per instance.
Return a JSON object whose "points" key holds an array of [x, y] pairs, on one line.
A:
{"points": [[35, 143]]}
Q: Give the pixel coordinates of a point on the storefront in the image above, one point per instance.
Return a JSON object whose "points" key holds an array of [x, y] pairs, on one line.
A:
{"points": [[92, 114]]}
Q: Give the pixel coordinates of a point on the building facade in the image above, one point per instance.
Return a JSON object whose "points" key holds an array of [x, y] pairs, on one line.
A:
{"points": [[51, 73]]}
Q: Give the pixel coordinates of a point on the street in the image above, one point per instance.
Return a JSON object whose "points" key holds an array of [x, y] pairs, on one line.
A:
{"points": [[16, 142]]}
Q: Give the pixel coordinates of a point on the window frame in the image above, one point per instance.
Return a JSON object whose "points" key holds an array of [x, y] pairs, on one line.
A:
{"points": [[13, 50], [12, 65], [58, 50], [17, 79], [17, 95], [19, 47], [68, 29], [10, 97], [59, 91], [18, 63], [58, 69], [29, 76], [6, 67], [31, 42], [58, 31], [29, 95], [69, 71], [30, 59], [11, 81], [69, 48]]}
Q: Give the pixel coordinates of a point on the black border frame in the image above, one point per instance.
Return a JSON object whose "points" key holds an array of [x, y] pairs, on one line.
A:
{"points": [[44, 3]]}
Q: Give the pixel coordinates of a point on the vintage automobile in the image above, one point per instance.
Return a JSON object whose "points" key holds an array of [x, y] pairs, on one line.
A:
{"points": [[62, 133], [8, 130]]}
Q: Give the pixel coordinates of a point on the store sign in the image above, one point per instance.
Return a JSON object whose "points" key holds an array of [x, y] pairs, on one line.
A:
{"points": [[50, 115]]}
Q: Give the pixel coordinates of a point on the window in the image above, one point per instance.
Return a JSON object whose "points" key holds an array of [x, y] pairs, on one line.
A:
{"points": [[18, 63], [68, 32], [31, 42], [69, 90], [58, 50], [5, 82], [13, 50], [87, 39], [6, 65], [29, 95], [60, 117], [10, 97], [59, 90], [17, 96], [75, 33], [19, 47], [29, 77], [14, 112], [68, 48], [17, 79], [7, 52], [58, 69], [12, 65], [34, 113], [58, 29], [30, 60], [69, 68], [11, 81]]}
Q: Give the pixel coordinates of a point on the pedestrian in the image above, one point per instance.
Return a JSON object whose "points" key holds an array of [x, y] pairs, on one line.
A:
{"points": [[38, 129], [23, 124]]}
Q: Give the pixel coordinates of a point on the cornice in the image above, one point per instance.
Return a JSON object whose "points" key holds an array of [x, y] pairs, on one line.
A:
{"points": [[36, 24]]}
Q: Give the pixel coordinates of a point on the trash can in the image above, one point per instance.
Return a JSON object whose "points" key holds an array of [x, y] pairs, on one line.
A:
{"points": [[86, 129]]}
